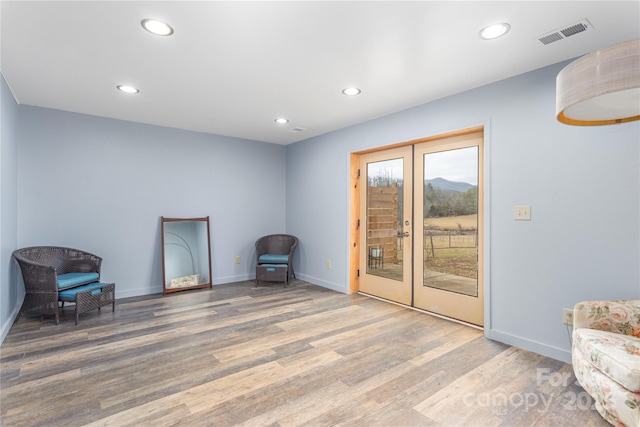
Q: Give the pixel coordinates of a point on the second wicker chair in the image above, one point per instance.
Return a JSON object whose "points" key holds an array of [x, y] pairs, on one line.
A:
{"points": [[274, 258]]}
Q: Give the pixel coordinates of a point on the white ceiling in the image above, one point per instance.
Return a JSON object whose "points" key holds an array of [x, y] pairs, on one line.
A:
{"points": [[232, 67]]}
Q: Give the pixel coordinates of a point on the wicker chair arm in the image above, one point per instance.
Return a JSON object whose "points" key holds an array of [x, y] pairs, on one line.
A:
{"points": [[292, 249], [260, 250], [37, 277]]}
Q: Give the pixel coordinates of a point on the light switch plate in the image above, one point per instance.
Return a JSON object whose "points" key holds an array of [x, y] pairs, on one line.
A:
{"points": [[523, 213]]}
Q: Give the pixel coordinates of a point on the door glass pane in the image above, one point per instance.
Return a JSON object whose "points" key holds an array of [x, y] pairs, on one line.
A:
{"points": [[384, 218], [450, 233]]}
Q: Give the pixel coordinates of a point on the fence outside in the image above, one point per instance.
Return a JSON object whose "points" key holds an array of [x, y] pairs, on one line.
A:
{"points": [[447, 239], [443, 239], [382, 217]]}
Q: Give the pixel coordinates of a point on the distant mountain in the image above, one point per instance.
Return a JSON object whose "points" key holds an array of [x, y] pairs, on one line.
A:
{"points": [[445, 185]]}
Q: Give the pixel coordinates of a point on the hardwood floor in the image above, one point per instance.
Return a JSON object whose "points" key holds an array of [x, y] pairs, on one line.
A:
{"points": [[270, 356]]}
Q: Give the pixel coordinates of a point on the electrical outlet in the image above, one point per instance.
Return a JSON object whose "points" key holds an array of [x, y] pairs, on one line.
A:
{"points": [[523, 213], [238, 260], [329, 264], [567, 316]]}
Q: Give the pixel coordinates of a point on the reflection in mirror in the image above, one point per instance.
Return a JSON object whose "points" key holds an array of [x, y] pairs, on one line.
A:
{"points": [[186, 256]]}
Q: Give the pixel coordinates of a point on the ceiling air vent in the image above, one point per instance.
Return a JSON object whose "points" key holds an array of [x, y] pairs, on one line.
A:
{"points": [[568, 31], [298, 129], [553, 37]]}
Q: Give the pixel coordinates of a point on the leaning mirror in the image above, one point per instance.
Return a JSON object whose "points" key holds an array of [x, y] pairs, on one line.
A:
{"points": [[186, 248]]}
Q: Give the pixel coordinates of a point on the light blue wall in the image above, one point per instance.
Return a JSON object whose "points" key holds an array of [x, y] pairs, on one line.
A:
{"points": [[102, 185], [11, 294], [583, 184]]}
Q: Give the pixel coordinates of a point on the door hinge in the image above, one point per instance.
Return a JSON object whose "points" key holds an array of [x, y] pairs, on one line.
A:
{"points": [[358, 173], [358, 223], [358, 272]]}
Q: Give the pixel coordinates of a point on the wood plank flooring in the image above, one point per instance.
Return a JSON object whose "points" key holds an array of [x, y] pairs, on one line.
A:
{"points": [[275, 356]]}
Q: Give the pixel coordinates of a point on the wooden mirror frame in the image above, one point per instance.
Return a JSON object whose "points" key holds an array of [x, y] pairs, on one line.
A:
{"points": [[190, 281]]}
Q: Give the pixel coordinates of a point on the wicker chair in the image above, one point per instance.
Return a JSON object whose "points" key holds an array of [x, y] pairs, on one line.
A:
{"points": [[274, 258], [41, 266]]}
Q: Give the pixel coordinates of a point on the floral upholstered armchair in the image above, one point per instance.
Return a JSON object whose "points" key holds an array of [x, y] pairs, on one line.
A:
{"points": [[606, 357]]}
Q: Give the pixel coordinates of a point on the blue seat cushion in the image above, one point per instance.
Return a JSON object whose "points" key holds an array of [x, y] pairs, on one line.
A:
{"points": [[272, 267], [72, 279], [71, 293], [273, 258]]}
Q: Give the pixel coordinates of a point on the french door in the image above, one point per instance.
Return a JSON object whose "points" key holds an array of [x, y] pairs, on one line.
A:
{"points": [[421, 238], [385, 196]]}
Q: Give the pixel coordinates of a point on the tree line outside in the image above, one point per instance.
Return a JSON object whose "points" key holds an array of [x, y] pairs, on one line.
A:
{"points": [[437, 202], [459, 258]]}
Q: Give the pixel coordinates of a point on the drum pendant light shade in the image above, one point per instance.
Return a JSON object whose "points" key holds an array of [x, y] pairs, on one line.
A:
{"points": [[601, 88]]}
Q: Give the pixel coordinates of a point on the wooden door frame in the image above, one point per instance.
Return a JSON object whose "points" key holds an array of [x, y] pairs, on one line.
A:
{"points": [[354, 197]]}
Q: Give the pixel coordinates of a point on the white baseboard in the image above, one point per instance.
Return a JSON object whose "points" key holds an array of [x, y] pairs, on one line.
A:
{"points": [[7, 326], [329, 285], [137, 292], [150, 290], [233, 279], [533, 346]]}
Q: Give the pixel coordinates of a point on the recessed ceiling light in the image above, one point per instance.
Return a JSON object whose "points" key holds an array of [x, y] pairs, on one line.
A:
{"points": [[351, 91], [281, 120], [127, 89], [494, 31], [157, 27]]}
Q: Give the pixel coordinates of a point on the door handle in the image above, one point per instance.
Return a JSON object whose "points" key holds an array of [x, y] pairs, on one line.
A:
{"points": [[405, 234]]}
